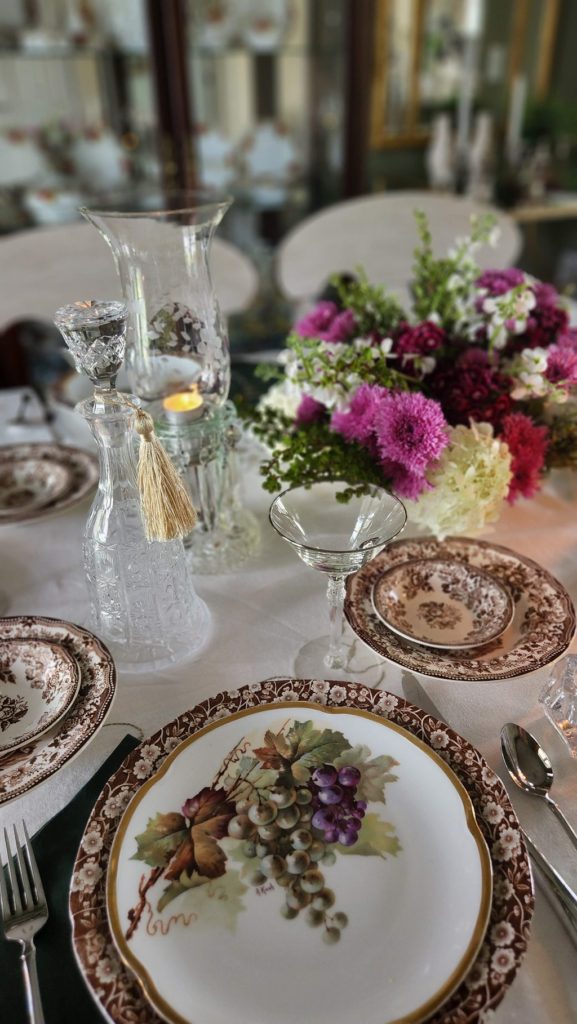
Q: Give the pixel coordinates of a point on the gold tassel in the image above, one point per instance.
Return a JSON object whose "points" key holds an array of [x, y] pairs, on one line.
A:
{"points": [[166, 506]]}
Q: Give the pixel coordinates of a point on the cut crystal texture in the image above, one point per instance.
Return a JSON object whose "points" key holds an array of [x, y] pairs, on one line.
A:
{"points": [[559, 700]]}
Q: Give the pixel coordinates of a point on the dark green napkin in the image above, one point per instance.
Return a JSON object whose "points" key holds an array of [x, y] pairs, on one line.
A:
{"points": [[65, 997]]}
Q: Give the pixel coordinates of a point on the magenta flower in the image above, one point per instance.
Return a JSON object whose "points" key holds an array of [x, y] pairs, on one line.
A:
{"points": [[528, 446], [342, 328], [421, 340], [411, 430], [327, 323], [358, 422], [545, 294], [499, 282], [309, 411], [403, 482], [561, 365]]}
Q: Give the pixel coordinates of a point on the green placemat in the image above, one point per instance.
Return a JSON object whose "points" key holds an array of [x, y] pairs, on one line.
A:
{"points": [[65, 997]]}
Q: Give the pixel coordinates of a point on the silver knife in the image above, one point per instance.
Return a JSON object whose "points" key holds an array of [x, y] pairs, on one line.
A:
{"points": [[566, 899]]}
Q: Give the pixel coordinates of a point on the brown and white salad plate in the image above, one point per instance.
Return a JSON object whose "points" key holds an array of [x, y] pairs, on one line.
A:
{"points": [[80, 468], [319, 722], [38, 683], [26, 766], [27, 484], [542, 627], [442, 603]]}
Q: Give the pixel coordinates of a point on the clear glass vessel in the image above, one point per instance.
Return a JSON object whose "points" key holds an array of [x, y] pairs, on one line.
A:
{"points": [[227, 533], [335, 537], [143, 602], [176, 335]]}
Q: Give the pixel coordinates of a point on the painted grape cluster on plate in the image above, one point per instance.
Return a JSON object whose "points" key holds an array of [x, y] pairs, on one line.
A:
{"points": [[291, 805]]}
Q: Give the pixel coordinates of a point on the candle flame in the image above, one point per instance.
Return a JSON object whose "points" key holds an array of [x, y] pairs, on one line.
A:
{"points": [[183, 401]]}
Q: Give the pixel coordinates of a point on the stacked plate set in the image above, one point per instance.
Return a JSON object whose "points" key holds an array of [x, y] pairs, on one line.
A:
{"points": [[57, 682], [460, 609]]}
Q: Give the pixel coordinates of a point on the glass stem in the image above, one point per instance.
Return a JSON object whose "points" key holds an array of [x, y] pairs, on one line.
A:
{"points": [[336, 655]]}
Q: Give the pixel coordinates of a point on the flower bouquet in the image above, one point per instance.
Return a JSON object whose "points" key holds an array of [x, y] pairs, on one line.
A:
{"points": [[458, 406]]}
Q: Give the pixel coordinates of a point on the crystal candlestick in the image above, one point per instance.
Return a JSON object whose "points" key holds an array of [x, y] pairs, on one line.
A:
{"points": [[143, 602]]}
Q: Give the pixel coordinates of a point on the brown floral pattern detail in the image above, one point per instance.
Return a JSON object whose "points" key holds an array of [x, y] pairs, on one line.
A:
{"points": [[12, 709], [443, 616], [505, 941], [81, 468], [25, 767], [461, 596], [542, 628]]}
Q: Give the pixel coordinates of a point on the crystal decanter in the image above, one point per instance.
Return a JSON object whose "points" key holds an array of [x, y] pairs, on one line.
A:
{"points": [[143, 602]]}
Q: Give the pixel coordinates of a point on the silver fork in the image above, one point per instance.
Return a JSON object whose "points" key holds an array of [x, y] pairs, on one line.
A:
{"points": [[24, 911]]}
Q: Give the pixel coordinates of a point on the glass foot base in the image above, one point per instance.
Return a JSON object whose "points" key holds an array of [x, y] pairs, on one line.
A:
{"points": [[224, 550], [362, 665], [151, 657]]}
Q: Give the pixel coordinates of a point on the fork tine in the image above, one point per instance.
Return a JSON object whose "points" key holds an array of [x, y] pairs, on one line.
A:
{"points": [[27, 892], [4, 902], [12, 876], [33, 867]]}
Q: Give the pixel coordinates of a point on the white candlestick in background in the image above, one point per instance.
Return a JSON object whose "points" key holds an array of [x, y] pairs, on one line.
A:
{"points": [[516, 114], [473, 18]]}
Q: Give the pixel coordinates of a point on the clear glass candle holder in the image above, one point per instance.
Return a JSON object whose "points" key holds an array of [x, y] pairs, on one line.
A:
{"points": [[204, 450]]}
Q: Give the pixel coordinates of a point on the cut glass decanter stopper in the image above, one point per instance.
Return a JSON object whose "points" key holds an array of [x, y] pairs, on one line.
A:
{"points": [[95, 332], [559, 700]]}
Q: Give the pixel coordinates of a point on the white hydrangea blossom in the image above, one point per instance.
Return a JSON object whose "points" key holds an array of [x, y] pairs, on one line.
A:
{"points": [[470, 482]]}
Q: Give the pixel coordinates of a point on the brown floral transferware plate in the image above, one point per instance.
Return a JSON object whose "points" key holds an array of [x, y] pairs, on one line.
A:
{"points": [[441, 603], [29, 484], [25, 767], [38, 683], [115, 988], [81, 468], [542, 627]]}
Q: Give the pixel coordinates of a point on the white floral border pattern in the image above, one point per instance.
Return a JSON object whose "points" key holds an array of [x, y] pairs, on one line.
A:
{"points": [[84, 472], [25, 767], [505, 942], [544, 620]]}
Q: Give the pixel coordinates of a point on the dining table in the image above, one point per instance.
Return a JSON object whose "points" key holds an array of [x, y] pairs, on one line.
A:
{"points": [[260, 616]]}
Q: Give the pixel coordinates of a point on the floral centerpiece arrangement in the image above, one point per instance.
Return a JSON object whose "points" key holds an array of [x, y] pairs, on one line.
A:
{"points": [[458, 406]]}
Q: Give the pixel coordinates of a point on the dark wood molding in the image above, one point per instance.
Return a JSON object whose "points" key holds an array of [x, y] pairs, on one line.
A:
{"points": [[168, 47], [360, 31]]}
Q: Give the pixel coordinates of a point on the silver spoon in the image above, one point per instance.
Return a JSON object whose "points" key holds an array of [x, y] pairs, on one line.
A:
{"points": [[531, 769]]}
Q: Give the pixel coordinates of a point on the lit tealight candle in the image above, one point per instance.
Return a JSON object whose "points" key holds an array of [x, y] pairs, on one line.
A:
{"points": [[183, 407]]}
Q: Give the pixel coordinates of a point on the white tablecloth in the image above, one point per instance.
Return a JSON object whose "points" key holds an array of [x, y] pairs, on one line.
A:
{"points": [[261, 616]]}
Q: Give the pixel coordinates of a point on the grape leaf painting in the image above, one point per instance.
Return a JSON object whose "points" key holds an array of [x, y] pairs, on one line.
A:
{"points": [[277, 814]]}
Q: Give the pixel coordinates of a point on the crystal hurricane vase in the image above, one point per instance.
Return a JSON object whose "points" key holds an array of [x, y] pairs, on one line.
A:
{"points": [[143, 602], [176, 336]]}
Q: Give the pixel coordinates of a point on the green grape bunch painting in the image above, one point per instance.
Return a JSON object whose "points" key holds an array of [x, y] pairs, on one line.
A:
{"points": [[276, 817]]}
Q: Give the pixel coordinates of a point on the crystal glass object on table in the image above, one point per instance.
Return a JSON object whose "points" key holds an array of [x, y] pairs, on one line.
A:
{"points": [[227, 533], [558, 698], [176, 335], [336, 537], [143, 603]]}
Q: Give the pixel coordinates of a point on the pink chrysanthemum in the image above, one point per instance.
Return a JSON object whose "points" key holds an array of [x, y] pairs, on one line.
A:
{"points": [[327, 323], [561, 365], [358, 422], [309, 411], [528, 446], [411, 430]]}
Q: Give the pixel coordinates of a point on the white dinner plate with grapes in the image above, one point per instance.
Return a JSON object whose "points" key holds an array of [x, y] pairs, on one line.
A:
{"points": [[292, 863]]}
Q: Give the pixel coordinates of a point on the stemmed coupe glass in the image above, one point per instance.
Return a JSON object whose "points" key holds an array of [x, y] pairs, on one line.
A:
{"points": [[337, 537]]}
